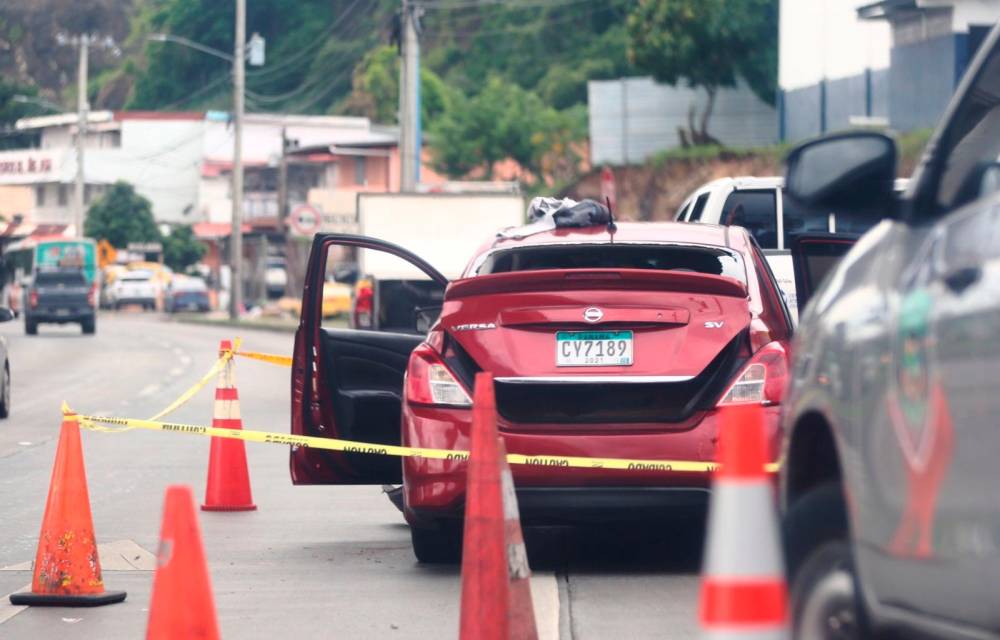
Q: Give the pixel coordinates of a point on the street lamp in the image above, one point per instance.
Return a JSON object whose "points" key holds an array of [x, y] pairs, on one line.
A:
{"points": [[256, 47]]}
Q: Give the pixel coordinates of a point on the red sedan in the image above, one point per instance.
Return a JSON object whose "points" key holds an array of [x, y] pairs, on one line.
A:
{"points": [[610, 343]]}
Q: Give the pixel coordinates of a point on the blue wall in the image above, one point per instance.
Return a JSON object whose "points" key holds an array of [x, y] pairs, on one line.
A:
{"points": [[805, 115], [922, 78]]}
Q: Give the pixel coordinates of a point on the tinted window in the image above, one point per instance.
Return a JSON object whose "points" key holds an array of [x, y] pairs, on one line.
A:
{"points": [[621, 256], [699, 206], [972, 144], [755, 211], [799, 220], [66, 278]]}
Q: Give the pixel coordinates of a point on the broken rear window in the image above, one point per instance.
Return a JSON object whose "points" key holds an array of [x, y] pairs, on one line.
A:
{"points": [[694, 259]]}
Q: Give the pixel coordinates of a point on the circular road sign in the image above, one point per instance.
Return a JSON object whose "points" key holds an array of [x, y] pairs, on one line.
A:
{"points": [[305, 220]]}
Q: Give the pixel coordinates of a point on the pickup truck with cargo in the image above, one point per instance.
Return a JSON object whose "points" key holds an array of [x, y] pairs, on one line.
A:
{"points": [[60, 296]]}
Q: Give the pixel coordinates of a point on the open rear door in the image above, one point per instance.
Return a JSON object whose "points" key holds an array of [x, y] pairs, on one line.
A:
{"points": [[348, 383], [814, 255]]}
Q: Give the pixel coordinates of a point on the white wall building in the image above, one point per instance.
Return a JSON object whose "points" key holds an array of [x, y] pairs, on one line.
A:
{"points": [[181, 161]]}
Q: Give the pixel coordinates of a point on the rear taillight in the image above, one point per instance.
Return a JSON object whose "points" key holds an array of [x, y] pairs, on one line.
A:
{"points": [[92, 295], [364, 296], [428, 381], [33, 299], [762, 380]]}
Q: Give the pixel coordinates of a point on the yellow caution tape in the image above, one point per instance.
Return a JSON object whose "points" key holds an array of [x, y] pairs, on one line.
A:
{"points": [[283, 361], [100, 423], [198, 386]]}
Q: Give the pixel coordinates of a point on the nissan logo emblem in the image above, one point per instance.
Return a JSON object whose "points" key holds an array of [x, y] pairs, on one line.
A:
{"points": [[593, 314]]}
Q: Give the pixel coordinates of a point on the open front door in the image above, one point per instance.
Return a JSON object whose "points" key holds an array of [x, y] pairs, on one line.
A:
{"points": [[347, 383], [814, 255]]}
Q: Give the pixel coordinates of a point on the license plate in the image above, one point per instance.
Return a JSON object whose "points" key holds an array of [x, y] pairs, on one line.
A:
{"points": [[593, 348], [62, 312]]}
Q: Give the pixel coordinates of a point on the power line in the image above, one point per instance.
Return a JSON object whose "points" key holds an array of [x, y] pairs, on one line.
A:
{"points": [[307, 49]]}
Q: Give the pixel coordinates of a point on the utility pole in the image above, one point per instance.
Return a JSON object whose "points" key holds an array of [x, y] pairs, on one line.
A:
{"points": [[283, 184], [82, 109], [409, 97], [236, 236]]}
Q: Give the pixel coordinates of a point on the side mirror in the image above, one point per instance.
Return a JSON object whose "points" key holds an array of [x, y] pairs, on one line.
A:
{"points": [[6, 314], [851, 172], [346, 273]]}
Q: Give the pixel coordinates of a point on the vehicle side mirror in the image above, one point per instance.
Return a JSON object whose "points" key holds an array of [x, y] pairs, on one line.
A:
{"points": [[346, 274], [6, 314], [851, 172]]}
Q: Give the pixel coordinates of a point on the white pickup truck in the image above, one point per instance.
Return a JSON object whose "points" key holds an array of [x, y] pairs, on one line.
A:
{"points": [[761, 206], [391, 294]]}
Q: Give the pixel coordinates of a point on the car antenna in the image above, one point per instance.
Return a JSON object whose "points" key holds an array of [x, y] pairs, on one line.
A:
{"points": [[612, 227]]}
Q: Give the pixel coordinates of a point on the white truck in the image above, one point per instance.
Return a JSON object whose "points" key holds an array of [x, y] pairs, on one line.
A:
{"points": [[761, 206], [444, 228]]}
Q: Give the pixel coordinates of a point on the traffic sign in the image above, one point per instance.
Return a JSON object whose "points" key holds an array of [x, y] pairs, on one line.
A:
{"points": [[305, 220]]}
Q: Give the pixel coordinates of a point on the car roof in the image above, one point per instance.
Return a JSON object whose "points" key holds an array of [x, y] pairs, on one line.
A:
{"points": [[678, 232]]}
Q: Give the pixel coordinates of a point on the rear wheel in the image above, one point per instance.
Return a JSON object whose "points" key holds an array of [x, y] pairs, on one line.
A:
{"points": [[30, 327], [440, 545], [826, 600], [89, 326]]}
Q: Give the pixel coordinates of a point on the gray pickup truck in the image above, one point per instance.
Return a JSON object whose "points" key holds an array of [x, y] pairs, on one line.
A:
{"points": [[60, 296]]}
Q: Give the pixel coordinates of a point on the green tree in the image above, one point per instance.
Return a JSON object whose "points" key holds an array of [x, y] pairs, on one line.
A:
{"points": [[502, 121], [708, 43], [11, 111], [121, 216], [375, 89], [181, 248]]}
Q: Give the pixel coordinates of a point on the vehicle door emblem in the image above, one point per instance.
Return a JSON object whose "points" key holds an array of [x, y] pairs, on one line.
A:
{"points": [[593, 315], [714, 324]]}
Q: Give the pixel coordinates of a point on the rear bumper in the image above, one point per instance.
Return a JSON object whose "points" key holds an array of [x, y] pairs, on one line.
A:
{"points": [[436, 488], [554, 506], [54, 315]]}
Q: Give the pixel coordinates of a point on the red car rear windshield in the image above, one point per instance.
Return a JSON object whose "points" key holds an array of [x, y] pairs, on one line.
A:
{"points": [[697, 259]]}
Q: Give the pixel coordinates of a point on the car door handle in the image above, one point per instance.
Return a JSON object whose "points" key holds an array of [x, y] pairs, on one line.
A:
{"points": [[961, 279]]}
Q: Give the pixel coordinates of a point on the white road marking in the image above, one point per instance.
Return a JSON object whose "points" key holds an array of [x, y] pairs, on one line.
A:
{"points": [[8, 610], [120, 555], [545, 598], [149, 390], [176, 371], [185, 359], [24, 443]]}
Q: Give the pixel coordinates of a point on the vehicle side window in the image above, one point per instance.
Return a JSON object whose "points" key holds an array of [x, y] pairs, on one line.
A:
{"points": [[756, 212], [699, 207], [682, 211], [799, 220], [971, 146]]}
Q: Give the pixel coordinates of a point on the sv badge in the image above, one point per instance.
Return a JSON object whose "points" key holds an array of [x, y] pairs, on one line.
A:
{"points": [[714, 324]]}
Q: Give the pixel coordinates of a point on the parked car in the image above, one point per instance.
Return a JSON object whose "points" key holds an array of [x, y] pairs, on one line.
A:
{"points": [[761, 205], [603, 343], [186, 294], [60, 296], [133, 287], [275, 276], [891, 515]]}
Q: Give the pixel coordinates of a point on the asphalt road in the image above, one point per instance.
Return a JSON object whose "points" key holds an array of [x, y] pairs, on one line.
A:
{"points": [[311, 561]]}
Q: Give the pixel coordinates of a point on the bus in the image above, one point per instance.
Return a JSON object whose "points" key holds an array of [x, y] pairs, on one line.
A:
{"points": [[20, 260]]}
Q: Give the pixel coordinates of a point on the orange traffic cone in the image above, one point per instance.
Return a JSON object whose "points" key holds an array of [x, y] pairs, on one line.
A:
{"points": [[496, 592], [228, 486], [67, 569], [182, 605], [743, 593]]}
